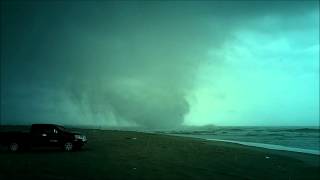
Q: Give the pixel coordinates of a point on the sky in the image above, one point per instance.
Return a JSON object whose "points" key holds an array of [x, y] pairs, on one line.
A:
{"points": [[160, 64]]}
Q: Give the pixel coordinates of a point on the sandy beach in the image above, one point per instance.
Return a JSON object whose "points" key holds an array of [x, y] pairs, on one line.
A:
{"points": [[135, 155]]}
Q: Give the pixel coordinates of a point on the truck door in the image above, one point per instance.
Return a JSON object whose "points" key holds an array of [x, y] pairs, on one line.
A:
{"points": [[54, 137], [40, 136]]}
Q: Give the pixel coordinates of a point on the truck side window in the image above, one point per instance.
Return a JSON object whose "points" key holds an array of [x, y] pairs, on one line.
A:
{"points": [[47, 131]]}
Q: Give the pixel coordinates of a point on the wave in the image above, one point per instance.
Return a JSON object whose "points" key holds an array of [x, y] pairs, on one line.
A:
{"points": [[272, 146], [298, 130]]}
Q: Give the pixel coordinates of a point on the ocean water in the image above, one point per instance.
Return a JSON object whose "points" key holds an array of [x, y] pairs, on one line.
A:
{"points": [[299, 139]]}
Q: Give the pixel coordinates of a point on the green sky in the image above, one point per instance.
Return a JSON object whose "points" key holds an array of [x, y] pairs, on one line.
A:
{"points": [[160, 64]]}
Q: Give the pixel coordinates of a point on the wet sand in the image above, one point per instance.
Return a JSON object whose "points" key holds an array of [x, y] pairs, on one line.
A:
{"points": [[133, 155]]}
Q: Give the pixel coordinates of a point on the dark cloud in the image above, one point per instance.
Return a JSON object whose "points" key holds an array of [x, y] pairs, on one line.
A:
{"points": [[128, 62]]}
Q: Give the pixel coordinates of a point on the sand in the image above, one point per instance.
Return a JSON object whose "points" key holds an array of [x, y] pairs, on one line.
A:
{"points": [[134, 155]]}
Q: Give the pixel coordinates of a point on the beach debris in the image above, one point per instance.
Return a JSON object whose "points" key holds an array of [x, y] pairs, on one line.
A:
{"points": [[133, 138], [267, 157]]}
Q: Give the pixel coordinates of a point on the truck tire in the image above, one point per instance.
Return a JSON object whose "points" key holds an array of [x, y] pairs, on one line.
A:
{"points": [[68, 146], [14, 147]]}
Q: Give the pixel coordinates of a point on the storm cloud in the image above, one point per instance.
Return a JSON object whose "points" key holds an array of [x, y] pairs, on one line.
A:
{"points": [[129, 63]]}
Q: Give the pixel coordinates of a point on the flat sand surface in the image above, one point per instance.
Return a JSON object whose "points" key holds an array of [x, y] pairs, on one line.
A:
{"points": [[134, 155]]}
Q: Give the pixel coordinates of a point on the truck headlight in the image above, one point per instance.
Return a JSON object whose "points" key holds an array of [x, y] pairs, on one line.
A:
{"points": [[81, 137]]}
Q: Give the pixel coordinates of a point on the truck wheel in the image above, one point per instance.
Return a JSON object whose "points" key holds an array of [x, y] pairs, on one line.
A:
{"points": [[13, 147], [68, 146]]}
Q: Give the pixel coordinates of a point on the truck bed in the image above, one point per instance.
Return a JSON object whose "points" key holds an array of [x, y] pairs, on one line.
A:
{"points": [[8, 137]]}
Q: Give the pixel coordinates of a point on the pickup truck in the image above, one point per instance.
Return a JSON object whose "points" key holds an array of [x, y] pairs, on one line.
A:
{"points": [[43, 135]]}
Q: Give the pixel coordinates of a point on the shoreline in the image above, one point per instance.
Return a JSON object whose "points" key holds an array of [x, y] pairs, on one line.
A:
{"points": [[256, 144], [312, 158], [271, 146]]}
